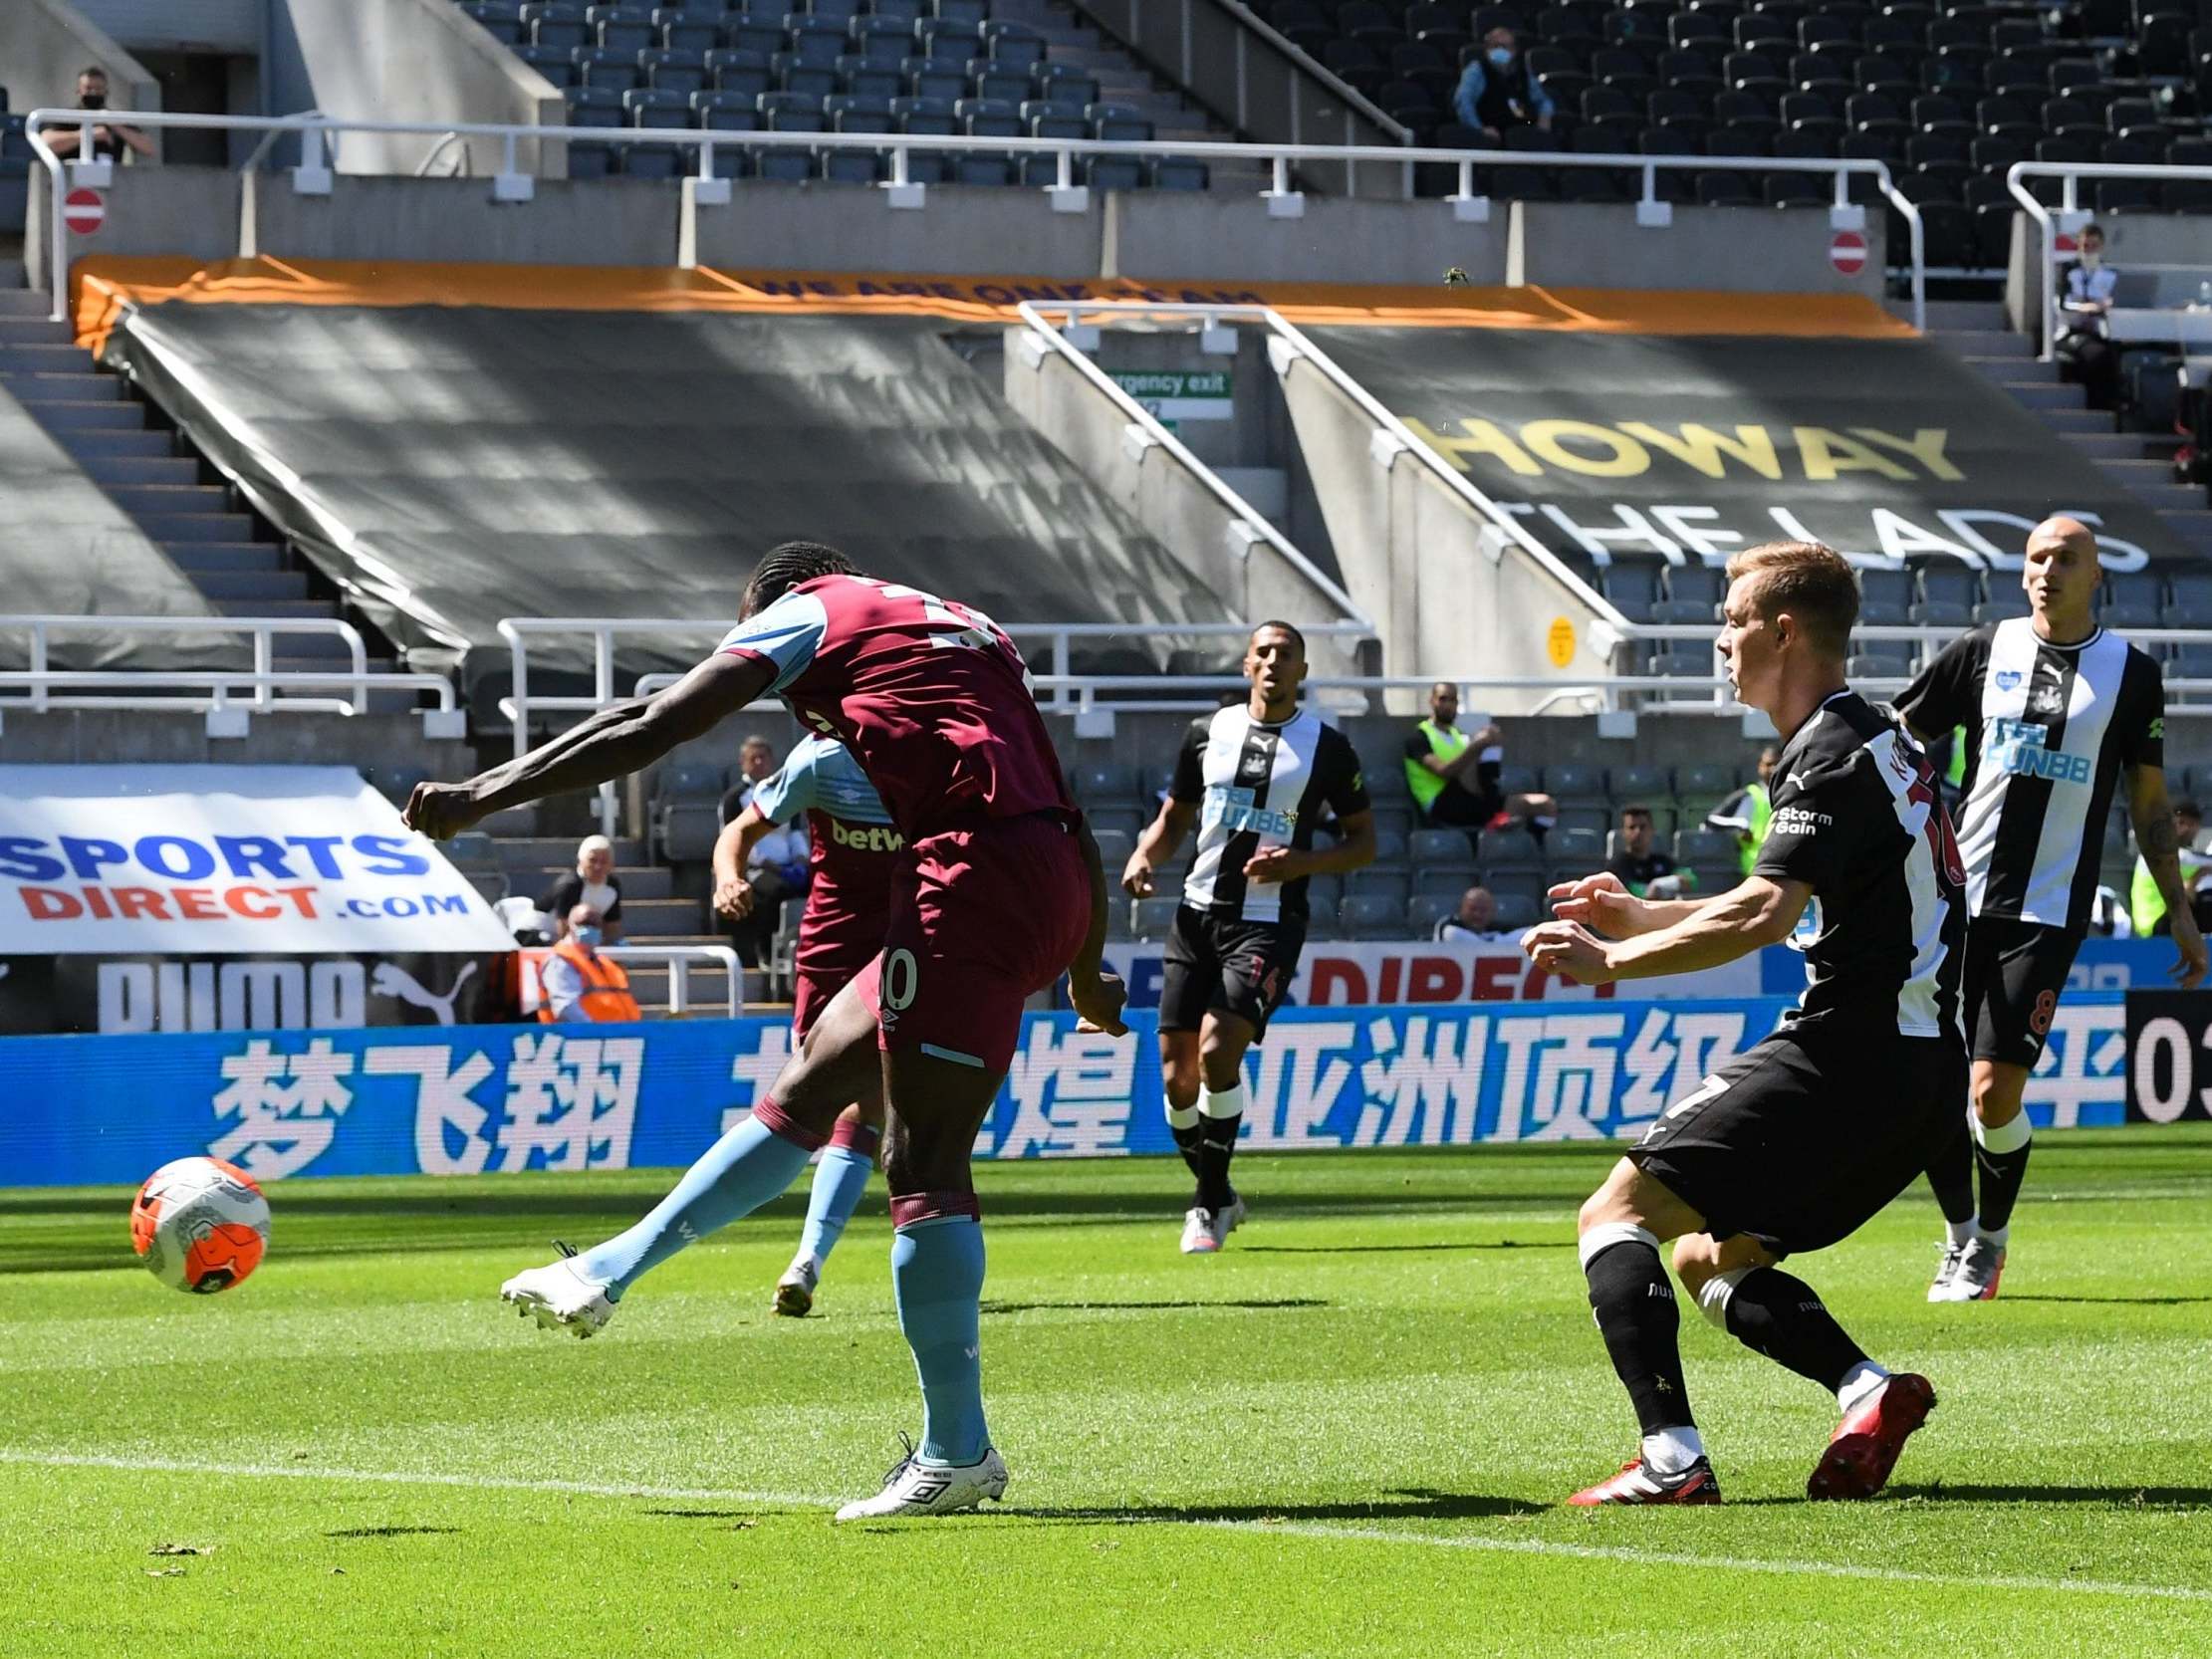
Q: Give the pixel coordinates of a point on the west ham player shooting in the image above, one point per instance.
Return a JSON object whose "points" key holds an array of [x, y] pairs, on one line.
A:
{"points": [[853, 851], [1254, 777], [2055, 709], [1796, 1144], [998, 890]]}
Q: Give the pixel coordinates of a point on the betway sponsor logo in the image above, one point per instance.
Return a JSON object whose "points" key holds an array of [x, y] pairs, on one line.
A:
{"points": [[865, 838]]}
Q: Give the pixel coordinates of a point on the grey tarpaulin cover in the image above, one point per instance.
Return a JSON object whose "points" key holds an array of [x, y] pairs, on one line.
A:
{"points": [[453, 466], [1873, 446]]}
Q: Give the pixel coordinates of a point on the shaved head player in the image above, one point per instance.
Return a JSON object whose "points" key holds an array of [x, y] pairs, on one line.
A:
{"points": [[997, 891]]}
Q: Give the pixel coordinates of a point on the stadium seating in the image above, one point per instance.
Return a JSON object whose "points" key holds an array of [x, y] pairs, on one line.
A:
{"points": [[1949, 97], [831, 66]]}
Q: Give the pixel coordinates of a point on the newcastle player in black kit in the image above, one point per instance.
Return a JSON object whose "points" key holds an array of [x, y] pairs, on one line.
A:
{"points": [[1254, 777], [2055, 709], [1796, 1144]]}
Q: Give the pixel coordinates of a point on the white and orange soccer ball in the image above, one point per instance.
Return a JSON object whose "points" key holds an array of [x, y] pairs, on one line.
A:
{"points": [[200, 1224]]}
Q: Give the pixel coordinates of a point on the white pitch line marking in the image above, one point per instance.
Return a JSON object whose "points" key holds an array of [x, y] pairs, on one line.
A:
{"points": [[1293, 1528]]}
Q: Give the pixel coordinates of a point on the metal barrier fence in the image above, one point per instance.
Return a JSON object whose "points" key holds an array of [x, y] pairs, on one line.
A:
{"points": [[2069, 175], [261, 688], [679, 960], [314, 174]]}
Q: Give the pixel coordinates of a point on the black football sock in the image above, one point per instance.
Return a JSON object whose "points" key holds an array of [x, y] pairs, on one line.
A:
{"points": [[1951, 1178], [1188, 1138], [1782, 1316], [1215, 1194], [1637, 1314], [2002, 1153]]}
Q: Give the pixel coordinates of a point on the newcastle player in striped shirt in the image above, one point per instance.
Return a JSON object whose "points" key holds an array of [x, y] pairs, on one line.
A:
{"points": [[2055, 709], [1794, 1144], [1254, 779]]}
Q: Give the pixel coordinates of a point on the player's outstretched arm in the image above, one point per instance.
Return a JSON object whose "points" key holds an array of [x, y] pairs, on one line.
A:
{"points": [[611, 743], [2161, 847], [1096, 994], [1757, 911], [1603, 904]]}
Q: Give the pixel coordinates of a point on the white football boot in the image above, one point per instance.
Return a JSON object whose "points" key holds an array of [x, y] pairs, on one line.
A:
{"points": [[560, 1297], [794, 1291], [1199, 1238], [1229, 1220], [1940, 1288], [912, 1487]]}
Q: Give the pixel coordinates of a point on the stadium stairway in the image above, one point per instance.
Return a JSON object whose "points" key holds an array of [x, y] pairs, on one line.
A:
{"points": [[1072, 39], [92, 414], [1975, 332]]}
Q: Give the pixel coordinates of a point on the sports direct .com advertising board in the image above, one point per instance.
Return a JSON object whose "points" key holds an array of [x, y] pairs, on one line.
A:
{"points": [[176, 899]]}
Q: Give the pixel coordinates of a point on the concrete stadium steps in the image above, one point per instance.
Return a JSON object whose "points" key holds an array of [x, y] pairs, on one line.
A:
{"points": [[525, 855], [637, 881], [18, 303], [1072, 39], [1977, 334], [105, 430]]}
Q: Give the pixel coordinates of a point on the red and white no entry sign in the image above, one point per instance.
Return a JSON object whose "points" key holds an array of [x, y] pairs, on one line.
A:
{"points": [[1846, 251], [83, 211]]}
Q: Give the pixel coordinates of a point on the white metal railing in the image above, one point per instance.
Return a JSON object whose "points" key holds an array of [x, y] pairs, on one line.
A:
{"points": [[521, 703], [257, 689], [679, 960], [2069, 175], [1298, 343], [1254, 524], [313, 174]]}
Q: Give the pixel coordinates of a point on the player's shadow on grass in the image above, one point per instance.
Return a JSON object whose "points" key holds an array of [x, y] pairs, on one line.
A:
{"points": [[1148, 1306], [1401, 1249], [1405, 1504], [389, 1531], [2132, 1301], [2117, 1497]]}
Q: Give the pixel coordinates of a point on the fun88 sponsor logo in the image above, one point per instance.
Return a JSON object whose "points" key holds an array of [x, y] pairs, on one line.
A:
{"points": [[1234, 811], [2022, 749]]}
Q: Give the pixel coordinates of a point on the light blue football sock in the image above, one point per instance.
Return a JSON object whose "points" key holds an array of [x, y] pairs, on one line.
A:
{"points": [[839, 1180], [736, 1176], [937, 1274]]}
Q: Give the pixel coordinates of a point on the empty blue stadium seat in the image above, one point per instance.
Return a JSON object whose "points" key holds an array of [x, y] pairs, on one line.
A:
{"points": [[970, 12], [751, 34], [671, 70], [1178, 173], [1119, 123], [841, 11], [955, 40], [659, 110], [737, 69], [603, 66], [595, 106], [989, 117], [1013, 43], [688, 31], [850, 167], [621, 28], [862, 80], [725, 112], [789, 165], [935, 80], [795, 75], [816, 40], [552, 62], [790, 113], [930, 115], [850, 114], [908, 12], [985, 80], [555, 24], [982, 169], [883, 39], [499, 21]]}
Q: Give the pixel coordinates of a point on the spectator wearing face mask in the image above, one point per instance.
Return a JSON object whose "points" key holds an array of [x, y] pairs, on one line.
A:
{"points": [[109, 138], [2084, 351], [579, 983], [1497, 91]]}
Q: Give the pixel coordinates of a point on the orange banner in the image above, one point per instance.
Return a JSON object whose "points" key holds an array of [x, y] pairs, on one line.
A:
{"points": [[105, 282]]}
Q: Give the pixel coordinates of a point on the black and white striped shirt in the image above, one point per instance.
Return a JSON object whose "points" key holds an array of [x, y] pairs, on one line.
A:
{"points": [[2047, 729], [1857, 817], [1259, 785]]}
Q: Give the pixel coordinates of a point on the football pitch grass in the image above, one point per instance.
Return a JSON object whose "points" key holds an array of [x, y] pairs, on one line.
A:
{"points": [[1347, 1435]]}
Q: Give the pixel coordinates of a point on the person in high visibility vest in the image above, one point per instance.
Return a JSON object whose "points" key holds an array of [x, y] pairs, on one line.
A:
{"points": [[1453, 774], [1747, 813], [2146, 905], [581, 984]]}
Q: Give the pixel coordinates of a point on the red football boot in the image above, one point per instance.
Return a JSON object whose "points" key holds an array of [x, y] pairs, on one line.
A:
{"points": [[1864, 1447], [1637, 1484]]}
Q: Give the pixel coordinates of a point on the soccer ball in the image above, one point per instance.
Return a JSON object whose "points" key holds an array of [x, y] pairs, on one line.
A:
{"points": [[201, 1225]]}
